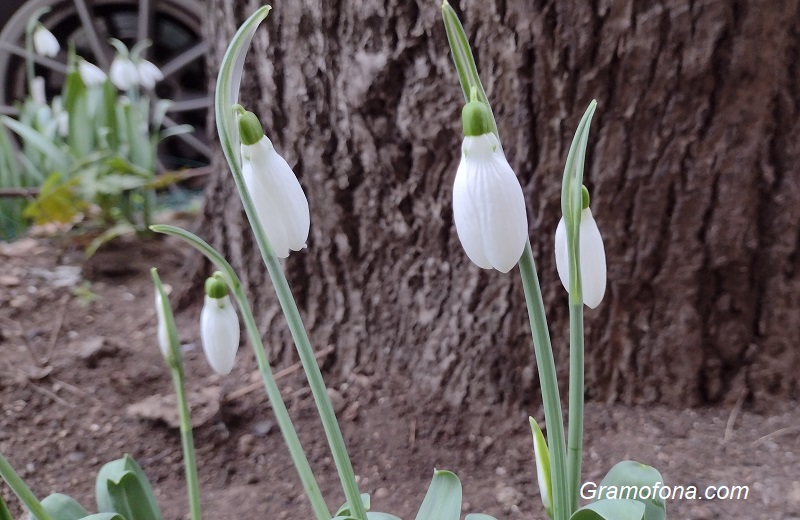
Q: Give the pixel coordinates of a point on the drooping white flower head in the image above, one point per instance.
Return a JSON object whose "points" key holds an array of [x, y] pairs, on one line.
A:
{"points": [[162, 333], [38, 93], [488, 204], [280, 203], [124, 73], [91, 74], [44, 42], [149, 74], [219, 327], [592, 257]]}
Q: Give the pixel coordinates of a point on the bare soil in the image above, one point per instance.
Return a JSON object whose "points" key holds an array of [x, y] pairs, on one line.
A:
{"points": [[77, 348]]}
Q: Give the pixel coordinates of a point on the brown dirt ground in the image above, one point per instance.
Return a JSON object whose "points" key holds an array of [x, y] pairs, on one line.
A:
{"points": [[77, 347]]}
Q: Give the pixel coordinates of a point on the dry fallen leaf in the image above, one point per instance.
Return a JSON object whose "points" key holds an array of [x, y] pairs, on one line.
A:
{"points": [[204, 406]]}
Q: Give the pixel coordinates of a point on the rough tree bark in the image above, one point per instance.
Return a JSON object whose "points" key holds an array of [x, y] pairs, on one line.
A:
{"points": [[690, 168]]}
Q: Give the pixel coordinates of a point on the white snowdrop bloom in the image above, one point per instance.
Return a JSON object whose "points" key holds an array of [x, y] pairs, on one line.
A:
{"points": [[38, 93], [149, 74], [280, 203], [592, 257], [488, 205], [162, 332], [219, 331], [44, 42], [62, 122], [124, 73], [91, 74]]}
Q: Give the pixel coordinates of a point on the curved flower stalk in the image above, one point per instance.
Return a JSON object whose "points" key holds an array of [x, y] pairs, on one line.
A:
{"points": [[219, 326], [281, 205], [488, 204], [44, 42], [591, 255]]}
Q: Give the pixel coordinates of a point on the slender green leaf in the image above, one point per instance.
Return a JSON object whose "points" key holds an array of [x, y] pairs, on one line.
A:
{"points": [[175, 130], [5, 514], [610, 510], [443, 499], [376, 515], [479, 516], [345, 509], [60, 159], [123, 228]]}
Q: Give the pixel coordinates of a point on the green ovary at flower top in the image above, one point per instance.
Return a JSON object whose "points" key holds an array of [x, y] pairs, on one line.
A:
{"points": [[488, 204], [280, 203], [591, 252], [219, 326]]}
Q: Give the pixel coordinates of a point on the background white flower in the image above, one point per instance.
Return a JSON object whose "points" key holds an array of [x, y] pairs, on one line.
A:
{"points": [[488, 205], [149, 74], [124, 73], [592, 259], [91, 74], [44, 42]]}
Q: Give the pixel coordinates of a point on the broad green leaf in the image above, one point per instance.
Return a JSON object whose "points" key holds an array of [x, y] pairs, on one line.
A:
{"points": [[122, 487], [610, 510], [63, 507], [633, 480], [40, 142], [73, 89], [376, 515], [443, 499], [228, 82], [81, 132], [107, 116], [5, 514], [479, 516]]}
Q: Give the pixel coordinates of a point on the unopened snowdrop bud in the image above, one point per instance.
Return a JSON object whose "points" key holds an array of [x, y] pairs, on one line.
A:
{"points": [[543, 477], [44, 43], [592, 256], [219, 326], [124, 73], [488, 204], [162, 332], [149, 74], [281, 205], [91, 74]]}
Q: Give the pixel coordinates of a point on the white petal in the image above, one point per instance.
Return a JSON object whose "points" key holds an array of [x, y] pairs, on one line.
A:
{"points": [[488, 205], [91, 74], [38, 93], [163, 333], [592, 258], [149, 74], [123, 73], [281, 205], [219, 331], [593, 261], [44, 43]]}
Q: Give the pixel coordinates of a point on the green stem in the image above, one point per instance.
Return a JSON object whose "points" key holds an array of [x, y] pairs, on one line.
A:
{"points": [[576, 391], [22, 490], [549, 383], [187, 441], [273, 393]]}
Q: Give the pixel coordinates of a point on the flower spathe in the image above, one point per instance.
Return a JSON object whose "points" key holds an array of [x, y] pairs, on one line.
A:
{"points": [[280, 203], [44, 42], [162, 331], [488, 205], [592, 257], [219, 331]]}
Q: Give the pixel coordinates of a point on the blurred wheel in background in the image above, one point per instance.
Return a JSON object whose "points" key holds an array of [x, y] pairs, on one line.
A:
{"points": [[174, 27]]}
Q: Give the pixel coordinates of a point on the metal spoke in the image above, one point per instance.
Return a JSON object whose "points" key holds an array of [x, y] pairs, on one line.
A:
{"points": [[190, 139], [98, 48], [196, 103], [41, 60], [194, 52], [8, 110], [145, 19]]}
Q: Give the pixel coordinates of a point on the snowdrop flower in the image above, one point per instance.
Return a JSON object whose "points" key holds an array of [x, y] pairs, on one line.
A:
{"points": [[124, 73], [149, 74], [592, 256], [91, 74], [163, 333], [219, 326], [488, 204], [542, 456], [281, 205], [38, 94], [44, 43]]}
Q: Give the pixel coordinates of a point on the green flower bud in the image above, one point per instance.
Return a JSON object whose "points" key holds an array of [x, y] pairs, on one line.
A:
{"points": [[215, 287], [250, 129]]}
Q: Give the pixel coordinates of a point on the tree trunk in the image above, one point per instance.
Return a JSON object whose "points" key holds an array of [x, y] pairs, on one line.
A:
{"points": [[689, 168]]}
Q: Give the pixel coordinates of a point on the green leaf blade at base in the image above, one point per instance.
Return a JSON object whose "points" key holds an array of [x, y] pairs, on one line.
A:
{"points": [[607, 509]]}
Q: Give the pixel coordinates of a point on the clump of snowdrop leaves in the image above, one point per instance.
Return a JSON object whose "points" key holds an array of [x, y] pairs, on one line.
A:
{"points": [[591, 253], [279, 200], [219, 326], [44, 42], [488, 204]]}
